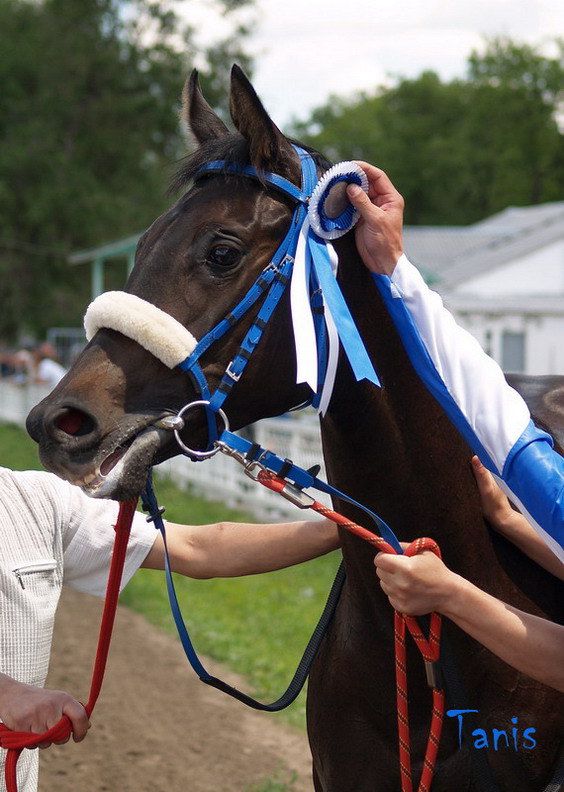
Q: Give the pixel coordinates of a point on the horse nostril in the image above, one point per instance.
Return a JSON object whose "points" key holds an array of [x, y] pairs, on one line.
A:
{"points": [[75, 422]]}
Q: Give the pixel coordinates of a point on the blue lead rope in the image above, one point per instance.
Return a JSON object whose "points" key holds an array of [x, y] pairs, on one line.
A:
{"points": [[151, 506], [253, 454]]}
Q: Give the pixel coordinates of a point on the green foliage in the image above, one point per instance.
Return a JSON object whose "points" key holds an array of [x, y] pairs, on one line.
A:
{"points": [[89, 128], [462, 150]]}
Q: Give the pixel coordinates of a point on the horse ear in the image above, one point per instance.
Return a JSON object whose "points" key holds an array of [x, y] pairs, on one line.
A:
{"points": [[269, 149], [204, 122]]}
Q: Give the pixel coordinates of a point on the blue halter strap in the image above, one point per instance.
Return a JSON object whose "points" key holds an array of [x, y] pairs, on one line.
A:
{"points": [[270, 287]]}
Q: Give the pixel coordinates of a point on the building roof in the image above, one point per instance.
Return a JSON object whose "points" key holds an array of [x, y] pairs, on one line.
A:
{"points": [[448, 256]]}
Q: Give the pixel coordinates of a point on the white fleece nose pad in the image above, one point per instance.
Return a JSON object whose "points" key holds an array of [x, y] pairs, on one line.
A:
{"points": [[154, 329]]}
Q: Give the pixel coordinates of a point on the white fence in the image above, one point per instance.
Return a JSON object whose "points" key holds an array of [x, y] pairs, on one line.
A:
{"points": [[17, 400], [219, 478]]}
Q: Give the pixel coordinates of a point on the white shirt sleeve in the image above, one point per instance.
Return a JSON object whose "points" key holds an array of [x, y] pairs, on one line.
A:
{"points": [[495, 411], [88, 538], [472, 389]]}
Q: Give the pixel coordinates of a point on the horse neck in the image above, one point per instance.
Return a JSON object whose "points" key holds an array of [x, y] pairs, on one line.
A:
{"points": [[393, 449]]}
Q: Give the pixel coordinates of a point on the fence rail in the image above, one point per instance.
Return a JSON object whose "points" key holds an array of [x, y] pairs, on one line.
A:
{"points": [[219, 478]]}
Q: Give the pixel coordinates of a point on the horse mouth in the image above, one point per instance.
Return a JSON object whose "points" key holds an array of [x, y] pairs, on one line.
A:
{"points": [[121, 474]]}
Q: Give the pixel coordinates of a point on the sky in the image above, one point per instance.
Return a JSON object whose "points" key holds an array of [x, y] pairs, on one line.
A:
{"points": [[306, 50]]}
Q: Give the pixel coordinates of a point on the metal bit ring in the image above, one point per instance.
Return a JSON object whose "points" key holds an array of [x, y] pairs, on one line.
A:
{"points": [[191, 451]]}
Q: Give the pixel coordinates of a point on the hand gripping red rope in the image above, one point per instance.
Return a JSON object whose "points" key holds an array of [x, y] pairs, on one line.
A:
{"points": [[16, 741], [429, 647]]}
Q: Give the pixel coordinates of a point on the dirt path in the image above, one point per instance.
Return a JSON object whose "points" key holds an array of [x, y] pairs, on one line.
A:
{"points": [[156, 727]]}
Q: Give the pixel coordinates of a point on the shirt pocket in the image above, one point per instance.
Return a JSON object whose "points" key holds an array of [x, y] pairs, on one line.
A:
{"points": [[36, 574]]}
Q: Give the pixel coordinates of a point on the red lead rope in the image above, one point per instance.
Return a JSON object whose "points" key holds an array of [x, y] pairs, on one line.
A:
{"points": [[16, 741], [429, 647]]}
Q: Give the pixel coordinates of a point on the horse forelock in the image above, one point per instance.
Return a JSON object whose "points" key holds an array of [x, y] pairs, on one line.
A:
{"points": [[232, 149]]}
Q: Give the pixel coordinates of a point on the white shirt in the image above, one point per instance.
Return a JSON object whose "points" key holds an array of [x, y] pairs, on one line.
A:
{"points": [[50, 372], [51, 535]]}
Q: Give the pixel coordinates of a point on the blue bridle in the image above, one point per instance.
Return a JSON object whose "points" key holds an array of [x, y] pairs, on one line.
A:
{"points": [[272, 282], [324, 294], [271, 285]]}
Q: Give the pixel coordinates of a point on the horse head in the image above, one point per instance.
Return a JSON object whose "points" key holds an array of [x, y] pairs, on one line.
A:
{"points": [[105, 424]]}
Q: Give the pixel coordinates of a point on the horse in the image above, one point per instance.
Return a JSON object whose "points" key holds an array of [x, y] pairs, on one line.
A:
{"points": [[391, 448]]}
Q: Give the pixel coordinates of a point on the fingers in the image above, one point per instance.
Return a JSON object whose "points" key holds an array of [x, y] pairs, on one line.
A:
{"points": [[78, 717], [38, 711], [380, 186], [414, 585], [495, 506], [484, 478], [362, 202]]}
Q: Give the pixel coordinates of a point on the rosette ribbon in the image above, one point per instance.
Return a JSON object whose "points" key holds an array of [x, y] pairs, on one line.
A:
{"points": [[315, 269]]}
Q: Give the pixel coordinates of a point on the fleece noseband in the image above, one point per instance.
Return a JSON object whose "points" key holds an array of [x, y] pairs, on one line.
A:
{"points": [[155, 330]]}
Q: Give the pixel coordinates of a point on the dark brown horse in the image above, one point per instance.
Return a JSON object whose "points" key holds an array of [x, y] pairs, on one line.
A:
{"points": [[392, 449]]}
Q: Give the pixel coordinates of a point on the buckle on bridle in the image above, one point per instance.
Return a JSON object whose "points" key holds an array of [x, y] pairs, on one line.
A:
{"points": [[231, 374]]}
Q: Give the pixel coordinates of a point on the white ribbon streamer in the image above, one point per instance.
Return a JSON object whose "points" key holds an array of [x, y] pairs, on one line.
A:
{"points": [[305, 339], [333, 341], [302, 317]]}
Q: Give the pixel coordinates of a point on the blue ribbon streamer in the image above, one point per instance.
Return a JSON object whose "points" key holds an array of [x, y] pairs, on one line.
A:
{"points": [[349, 336]]}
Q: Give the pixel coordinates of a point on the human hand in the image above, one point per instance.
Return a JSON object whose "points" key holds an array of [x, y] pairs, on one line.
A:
{"points": [[378, 233], [32, 709], [415, 585], [495, 506]]}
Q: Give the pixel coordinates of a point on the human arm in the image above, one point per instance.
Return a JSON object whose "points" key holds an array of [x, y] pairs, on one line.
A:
{"points": [[511, 523], [32, 709], [230, 549], [421, 584], [468, 384]]}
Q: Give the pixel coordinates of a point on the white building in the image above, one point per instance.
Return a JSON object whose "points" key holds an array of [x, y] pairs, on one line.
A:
{"points": [[503, 278]]}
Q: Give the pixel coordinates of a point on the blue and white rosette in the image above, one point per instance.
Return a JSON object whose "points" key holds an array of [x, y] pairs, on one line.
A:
{"points": [[330, 215]]}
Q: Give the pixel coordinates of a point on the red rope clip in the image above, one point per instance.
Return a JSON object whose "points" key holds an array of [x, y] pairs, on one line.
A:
{"points": [[429, 647]]}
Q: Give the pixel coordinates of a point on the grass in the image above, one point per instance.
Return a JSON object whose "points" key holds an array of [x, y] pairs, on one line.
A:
{"points": [[17, 449], [257, 625]]}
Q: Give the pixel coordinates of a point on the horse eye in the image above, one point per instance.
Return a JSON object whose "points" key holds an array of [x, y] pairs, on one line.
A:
{"points": [[223, 256]]}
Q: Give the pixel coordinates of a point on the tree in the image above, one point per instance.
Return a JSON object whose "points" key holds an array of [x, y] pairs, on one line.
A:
{"points": [[464, 149], [88, 129]]}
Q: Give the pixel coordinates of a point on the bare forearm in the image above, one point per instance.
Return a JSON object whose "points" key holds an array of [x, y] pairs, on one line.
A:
{"points": [[521, 534], [533, 645], [233, 549]]}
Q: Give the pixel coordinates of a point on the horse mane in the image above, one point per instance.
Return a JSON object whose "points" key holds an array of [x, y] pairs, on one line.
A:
{"points": [[233, 149]]}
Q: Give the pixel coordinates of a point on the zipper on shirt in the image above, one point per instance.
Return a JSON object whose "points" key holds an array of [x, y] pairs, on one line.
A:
{"points": [[48, 565]]}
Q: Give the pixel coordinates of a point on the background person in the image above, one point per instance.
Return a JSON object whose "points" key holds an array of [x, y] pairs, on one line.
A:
{"points": [[48, 370]]}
